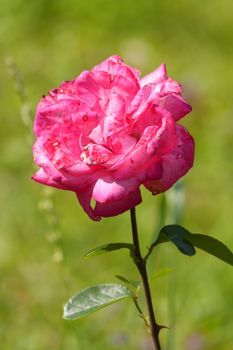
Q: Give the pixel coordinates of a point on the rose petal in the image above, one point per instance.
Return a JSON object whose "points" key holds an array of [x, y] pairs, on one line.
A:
{"points": [[176, 105], [115, 75], [106, 189], [75, 177], [116, 207], [155, 77], [175, 164], [41, 177], [114, 115], [115, 65], [84, 198], [111, 198], [87, 88], [157, 139]]}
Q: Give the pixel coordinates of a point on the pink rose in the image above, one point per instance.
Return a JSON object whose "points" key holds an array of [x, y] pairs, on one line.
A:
{"points": [[107, 132]]}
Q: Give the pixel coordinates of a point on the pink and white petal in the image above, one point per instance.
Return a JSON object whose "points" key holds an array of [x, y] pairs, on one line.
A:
{"points": [[88, 90], [81, 175], [41, 177], [176, 164], [107, 189], [156, 140], [125, 86], [176, 105], [64, 92], [113, 64], [72, 177], [108, 64], [139, 103], [138, 154], [96, 135], [166, 87], [114, 115], [60, 180], [120, 78], [79, 169], [133, 163], [48, 175], [64, 115], [119, 83], [118, 206], [162, 89], [115, 107], [148, 170], [127, 143], [54, 108], [48, 116], [153, 115], [103, 79], [84, 198], [166, 134], [42, 161], [94, 154], [151, 95], [155, 77]]}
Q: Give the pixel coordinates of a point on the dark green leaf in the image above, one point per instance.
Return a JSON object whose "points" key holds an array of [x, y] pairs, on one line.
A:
{"points": [[105, 248], [94, 298], [207, 243], [212, 246], [177, 235]]}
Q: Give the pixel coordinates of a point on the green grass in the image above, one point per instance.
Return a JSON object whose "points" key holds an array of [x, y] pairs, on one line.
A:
{"points": [[51, 41]]}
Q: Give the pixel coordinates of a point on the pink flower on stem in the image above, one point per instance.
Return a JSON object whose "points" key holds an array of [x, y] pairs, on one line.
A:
{"points": [[107, 132]]}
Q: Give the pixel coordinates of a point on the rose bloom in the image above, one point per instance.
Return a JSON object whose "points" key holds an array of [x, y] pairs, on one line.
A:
{"points": [[107, 132]]}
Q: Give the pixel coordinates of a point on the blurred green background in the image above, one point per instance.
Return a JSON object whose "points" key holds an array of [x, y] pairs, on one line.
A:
{"points": [[44, 233]]}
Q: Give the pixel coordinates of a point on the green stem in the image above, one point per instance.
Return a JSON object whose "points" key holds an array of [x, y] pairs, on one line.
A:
{"points": [[141, 265], [141, 314]]}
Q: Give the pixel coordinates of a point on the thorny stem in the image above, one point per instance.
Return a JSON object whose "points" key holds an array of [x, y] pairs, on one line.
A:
{"points": [[141, 265]]}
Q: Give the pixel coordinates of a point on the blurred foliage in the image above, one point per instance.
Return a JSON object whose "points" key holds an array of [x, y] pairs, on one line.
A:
{"points": [[44, 234]]}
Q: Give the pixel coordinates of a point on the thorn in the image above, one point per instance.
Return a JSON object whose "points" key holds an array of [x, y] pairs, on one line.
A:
{"points": [[161, 327]]}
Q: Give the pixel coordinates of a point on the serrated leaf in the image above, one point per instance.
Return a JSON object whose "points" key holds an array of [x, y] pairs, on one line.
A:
{"points": [[177, 235], [105, 248], [93, 299]]}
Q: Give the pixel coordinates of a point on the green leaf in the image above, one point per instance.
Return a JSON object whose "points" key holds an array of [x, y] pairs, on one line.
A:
{"points": [[162, 273], [134, 284], [177, 235], [105, 248], [212, 246], [93, 299], [207, 243]]}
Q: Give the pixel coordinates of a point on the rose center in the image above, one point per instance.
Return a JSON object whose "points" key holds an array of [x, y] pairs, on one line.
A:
{"points": [[94, 154]]}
